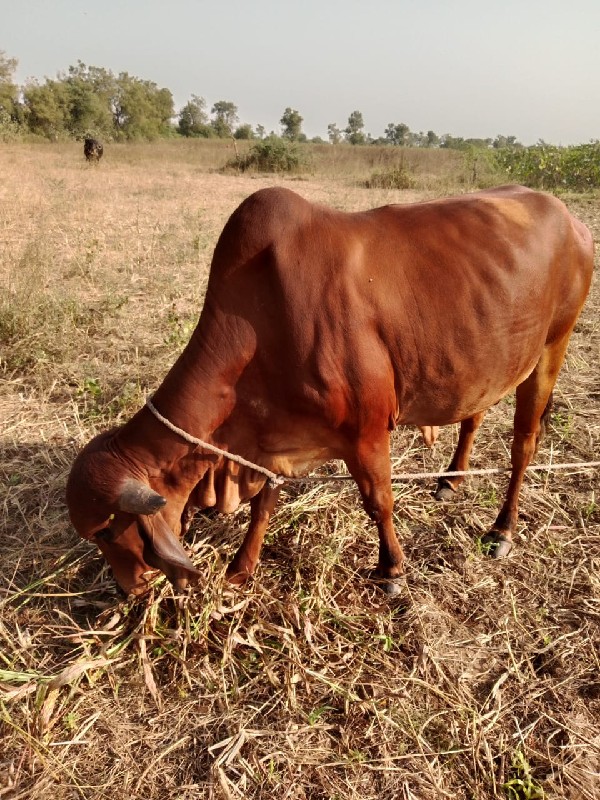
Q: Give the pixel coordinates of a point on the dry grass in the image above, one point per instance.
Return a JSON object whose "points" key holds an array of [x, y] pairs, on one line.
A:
{"points": [[481, 680]]}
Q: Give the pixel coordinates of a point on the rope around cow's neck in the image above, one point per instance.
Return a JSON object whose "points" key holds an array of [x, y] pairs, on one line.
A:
{"points": [[275, 480]]}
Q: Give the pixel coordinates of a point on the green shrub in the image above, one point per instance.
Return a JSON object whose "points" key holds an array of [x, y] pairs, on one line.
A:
{"points": [[10, 130], [480, 168], [272, 154], [547, 167], [395, 178]]}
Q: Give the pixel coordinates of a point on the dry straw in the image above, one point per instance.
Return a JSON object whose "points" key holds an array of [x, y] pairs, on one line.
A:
{"points": [[479, 681]]}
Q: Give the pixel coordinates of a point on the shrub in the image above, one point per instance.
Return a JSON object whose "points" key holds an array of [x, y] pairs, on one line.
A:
{"points": [[480, 167], [548, 167], [272, 154], [395, 178], [10, 130]]}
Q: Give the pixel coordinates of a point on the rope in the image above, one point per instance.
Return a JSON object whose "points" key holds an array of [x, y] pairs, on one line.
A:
{"points": [[404, 476], [276, 480]]}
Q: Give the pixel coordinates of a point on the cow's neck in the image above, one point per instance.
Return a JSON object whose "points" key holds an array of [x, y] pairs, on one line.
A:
{"points": [[198, 396]]}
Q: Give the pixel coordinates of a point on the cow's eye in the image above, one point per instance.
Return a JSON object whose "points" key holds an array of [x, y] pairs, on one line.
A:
{"points": [[105, 535]]}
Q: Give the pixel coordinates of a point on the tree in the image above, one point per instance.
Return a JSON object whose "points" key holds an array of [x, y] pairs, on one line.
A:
{"points": [[416, 139], [449, 142], [225, 117], [91, 91], [334, 133], [398, 134], [141, 109], [291, 122], [354, 130], [505, 141], [244, 132], [47, 108], [432, 139], [8, 90], [193, 118], [92, 100], [479, 144]]}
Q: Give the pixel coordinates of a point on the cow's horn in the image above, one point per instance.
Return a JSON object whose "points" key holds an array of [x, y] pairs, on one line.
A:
{"points": [[138, 498]]}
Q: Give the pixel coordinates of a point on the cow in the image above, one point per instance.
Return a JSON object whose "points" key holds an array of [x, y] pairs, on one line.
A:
{"points": [[321, 331], [92, 149]]}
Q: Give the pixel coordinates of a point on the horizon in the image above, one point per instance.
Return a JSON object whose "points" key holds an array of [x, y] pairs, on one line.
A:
{"points": [[524, 71]]}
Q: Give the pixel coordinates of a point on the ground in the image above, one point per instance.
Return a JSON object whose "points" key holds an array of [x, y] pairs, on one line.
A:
{"points": [[480, 680]]}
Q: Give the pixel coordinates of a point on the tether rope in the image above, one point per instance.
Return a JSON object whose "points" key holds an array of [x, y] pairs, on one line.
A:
{"points": [[276, 480], [403, 476]]}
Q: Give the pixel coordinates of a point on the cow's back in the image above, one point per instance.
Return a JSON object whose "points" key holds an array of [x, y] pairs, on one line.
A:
{"points": [[405, 300]]}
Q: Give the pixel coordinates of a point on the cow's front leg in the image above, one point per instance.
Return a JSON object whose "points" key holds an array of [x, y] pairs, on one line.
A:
{"points": [[245, 560], [371, 469]]}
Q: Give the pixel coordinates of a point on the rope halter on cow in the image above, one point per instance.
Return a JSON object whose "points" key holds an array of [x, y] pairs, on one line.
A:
{"points": [[276, 480]]}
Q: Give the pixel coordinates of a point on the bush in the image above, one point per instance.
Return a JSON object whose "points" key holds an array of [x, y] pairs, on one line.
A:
{"points": [[548, 167], [394, 178], [10, 130], [272, 154]]}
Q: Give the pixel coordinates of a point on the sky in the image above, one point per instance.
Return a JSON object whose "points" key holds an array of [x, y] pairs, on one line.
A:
{"points": [[471, 68]]}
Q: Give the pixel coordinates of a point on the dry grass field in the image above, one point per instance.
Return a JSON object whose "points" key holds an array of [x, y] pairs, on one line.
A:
{"points": [[480, 680]]}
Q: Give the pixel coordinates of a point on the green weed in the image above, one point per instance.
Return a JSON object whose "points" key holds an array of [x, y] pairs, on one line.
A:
{"points": [[522, 785], [179, 330]]}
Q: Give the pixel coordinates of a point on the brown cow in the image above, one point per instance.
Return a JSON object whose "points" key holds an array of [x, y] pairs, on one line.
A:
{"points": [[323, 330]]}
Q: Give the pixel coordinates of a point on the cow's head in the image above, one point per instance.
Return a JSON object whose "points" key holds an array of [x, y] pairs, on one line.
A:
{"points": [[113, 504]]}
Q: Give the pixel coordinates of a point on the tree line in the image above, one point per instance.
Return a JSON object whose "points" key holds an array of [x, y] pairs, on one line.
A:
{"points": [[88, 100]]}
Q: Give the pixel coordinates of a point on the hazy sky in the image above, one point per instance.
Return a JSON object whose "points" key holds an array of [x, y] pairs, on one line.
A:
{"points": [[529, 68]]}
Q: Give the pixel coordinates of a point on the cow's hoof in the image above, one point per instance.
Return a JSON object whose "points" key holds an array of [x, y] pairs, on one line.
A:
{"points": [[237, 577], [389, 586], [444, 492], [496, 544]]}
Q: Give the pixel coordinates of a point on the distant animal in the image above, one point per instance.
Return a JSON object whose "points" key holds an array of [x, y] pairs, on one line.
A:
{"points": [[320, 332], [92, 149]]}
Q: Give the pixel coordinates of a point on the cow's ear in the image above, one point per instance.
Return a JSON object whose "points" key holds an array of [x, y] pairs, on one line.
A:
{"points": [[163, 550], [138, 498]]}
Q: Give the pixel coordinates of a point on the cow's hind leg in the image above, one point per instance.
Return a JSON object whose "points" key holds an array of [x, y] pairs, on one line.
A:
{"points": [[544, 422], [446, 487], [371, 469], [245, 560], [533, 405]]}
